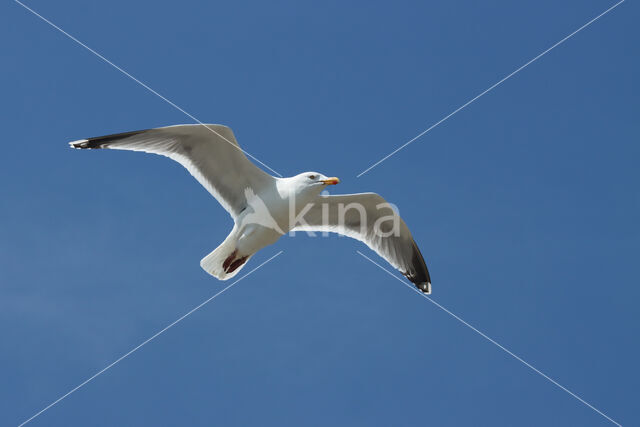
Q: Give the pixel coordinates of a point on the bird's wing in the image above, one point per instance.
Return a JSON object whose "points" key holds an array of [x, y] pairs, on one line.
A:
{"points": [[209, 152], [369, 218]]}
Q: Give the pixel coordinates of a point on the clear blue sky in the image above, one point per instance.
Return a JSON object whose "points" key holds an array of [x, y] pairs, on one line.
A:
{"points": [[525, 206]]}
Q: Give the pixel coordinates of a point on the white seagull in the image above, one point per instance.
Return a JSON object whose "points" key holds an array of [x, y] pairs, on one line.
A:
{"points": [[264, 207]]}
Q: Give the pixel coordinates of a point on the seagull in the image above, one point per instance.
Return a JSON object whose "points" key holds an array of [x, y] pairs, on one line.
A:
{"points": [[264, 207]]}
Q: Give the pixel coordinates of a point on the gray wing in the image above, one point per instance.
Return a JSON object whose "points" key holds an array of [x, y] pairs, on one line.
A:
{"points": [[209, 152], [367, 217]]}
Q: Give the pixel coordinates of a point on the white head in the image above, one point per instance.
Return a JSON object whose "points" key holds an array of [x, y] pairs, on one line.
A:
{"points": [[310, 183]]}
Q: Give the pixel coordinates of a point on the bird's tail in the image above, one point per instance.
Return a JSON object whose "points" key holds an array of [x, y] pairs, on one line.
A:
{"points": [[225, 261]]}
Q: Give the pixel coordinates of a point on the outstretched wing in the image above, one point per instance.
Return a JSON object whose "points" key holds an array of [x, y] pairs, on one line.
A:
{"points": [[209, 152], [369, 218]]}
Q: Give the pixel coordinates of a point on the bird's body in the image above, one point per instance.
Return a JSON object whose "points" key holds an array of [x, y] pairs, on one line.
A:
{"points": [[263, 207]]}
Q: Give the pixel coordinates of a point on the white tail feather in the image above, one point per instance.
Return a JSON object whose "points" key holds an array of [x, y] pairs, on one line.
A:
{"points": [[213, 263]]}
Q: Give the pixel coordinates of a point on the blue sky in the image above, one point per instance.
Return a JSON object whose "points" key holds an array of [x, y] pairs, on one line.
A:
{"points": [[525, 205]]}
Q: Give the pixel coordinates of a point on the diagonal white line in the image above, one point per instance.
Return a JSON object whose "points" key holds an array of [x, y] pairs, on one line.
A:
{"points": [[141, 83], [491, 340], [136, 348], [489, 89]]}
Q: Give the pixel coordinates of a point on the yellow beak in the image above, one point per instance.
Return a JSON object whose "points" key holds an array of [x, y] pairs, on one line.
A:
{"points": [[331, 181]]}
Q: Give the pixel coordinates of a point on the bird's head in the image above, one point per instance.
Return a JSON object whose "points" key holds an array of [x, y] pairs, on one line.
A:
{"points": [[312, 183]]}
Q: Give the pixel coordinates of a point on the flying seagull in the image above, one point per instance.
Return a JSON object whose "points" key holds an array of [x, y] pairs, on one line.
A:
{"points": [[265, 207]]}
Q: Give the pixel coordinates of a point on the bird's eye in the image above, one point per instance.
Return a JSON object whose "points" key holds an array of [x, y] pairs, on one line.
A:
{"points": [[312, 177]]}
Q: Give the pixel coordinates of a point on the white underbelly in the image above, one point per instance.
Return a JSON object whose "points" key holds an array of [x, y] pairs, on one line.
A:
{"points": [[256, 237]]}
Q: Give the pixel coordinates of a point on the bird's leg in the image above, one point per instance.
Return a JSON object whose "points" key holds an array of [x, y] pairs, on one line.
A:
{"points": [[237, 263], [232, 263], [227, 262]]}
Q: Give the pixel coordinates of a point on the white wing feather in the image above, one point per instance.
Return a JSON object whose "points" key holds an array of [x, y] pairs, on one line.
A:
{"points": [[209, 152], [399, 249]]}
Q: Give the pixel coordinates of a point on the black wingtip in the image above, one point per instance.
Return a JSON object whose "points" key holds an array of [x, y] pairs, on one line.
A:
{"points": [[418, 274], [425, 287], [101, 141], [81, 144]]}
